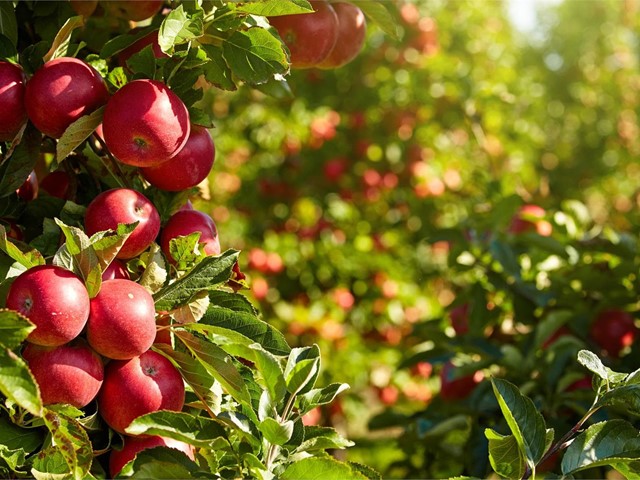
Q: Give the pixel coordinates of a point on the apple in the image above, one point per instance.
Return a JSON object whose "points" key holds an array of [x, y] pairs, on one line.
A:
{"points": [[530, 218], [145, 123], [335, 168], [188, 168], [122, 321], [116, 269], [452, 388], [13, 114], [84, 7], [553, 338], [57, 184], [54, 299], [584, 383], [613, 330], [185, 222], [135, 47], [71, 373], [389, 395], [29, 189], [310, 37], [62, 91], [134, 445], [138, 386], [459, 317], [352, 30], [123, 205], [133, 10]]}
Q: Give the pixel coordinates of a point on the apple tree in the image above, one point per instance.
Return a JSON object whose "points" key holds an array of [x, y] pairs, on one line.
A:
{"points": [[129, 348]]}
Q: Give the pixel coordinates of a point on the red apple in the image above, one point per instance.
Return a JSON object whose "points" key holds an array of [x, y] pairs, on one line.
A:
{"points": [[310, 37], [613, 330], [122, 205], [133, 10], [134, 445], [185, 222], [116, 269], [122, 321], [54, 299], [71, 373], [62, 91], [29, 189], [352, 29], [138, 386], [530, 218], [188, 168], [145, 123], [452, 388], [135, 47], [12, 110], [84, 7], [57, 184], [460, 318]]}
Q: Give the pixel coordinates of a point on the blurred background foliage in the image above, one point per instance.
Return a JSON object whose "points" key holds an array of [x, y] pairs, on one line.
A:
{"points": [[377, 198]]}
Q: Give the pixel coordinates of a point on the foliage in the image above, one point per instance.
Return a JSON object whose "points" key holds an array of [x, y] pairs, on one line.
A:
{"points": [[247, 388]]}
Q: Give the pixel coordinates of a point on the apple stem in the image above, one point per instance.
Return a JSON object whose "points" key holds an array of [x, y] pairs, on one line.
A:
{"points": [[121, 178]]}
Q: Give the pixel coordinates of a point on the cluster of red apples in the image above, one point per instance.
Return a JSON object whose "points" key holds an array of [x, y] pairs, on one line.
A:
{"points": [[328, 38], [84, 348]]}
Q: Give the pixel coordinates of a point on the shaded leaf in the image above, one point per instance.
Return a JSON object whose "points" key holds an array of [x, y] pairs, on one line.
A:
{"points": [[605, 443], [322, 438], [194, 430], [275, 432], [8, 22], [321, 396], [14, 328], [28, 258], [162, 462], [302, 370], [381, 14], [255, 55]]}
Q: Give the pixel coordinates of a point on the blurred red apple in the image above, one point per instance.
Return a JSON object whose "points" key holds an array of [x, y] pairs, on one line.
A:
{"points": [[613, 330], [453, 387], [530, 218], [310, 37]]}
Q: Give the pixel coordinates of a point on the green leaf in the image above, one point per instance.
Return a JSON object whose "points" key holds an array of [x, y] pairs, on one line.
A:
{"points": [[8, 22], [17, 383], [365, 470], [215, 361], [277, 88], [192, 311], [117, 78], [143, 63], [322, 438], [50, 464], [155, 272], [302, 370], [178, 27], [162, 462], [15, 169], [216, 71], [29, 258], [191, 429], [255, 55], [275, 432], [605, 443], [244, 328], [78, 132], [626, 397], [16, 438], [119, 43], [63, 38], [232, 301], [185, 251], [316, 468], [524, 420], [14, 459], [14, 328], [321, 396], [78, 255], [207, 275], [108, 243], [192, 371], [380, 13], [504, 454], [591, 361], [72, 441], [273, 8]]}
